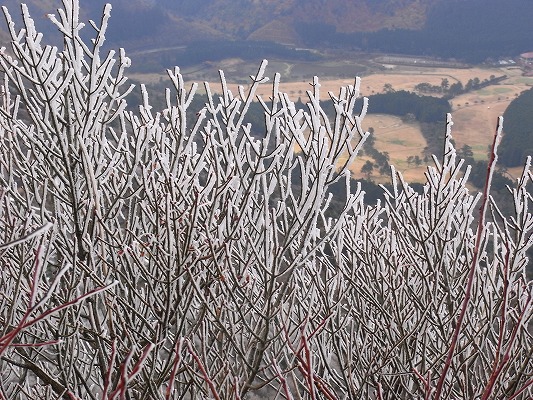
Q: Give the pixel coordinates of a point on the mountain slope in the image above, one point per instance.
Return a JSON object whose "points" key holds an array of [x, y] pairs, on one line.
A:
{"points": [[469, 30], [240, 19]]}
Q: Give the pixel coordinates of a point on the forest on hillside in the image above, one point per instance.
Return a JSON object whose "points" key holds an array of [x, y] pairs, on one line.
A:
{"points": [[517, 142], [492, 29], [453, 29]]}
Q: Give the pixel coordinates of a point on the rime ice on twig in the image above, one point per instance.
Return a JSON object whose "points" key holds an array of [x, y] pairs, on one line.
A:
{"points": [[237, 272]]}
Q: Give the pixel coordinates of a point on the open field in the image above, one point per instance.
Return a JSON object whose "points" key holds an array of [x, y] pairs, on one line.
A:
{"points": [[400, 78], [400, 140], [474, 114]]}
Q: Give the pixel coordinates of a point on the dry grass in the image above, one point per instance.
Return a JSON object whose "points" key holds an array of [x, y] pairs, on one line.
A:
{"points": [[401, 78], [400, 140], [475, 113]]}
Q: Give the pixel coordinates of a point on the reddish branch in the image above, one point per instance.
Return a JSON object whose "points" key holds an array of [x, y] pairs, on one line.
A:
{"points": [[206, 377], [475, 259], [304, 363], [498, 367], [176, 363], [126, 378]]}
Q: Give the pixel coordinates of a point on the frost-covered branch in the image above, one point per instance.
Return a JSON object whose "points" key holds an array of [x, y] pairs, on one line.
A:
{"points": [[235, 274]]}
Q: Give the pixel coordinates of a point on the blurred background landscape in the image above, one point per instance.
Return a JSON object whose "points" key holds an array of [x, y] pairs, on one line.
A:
{"points": [[469, 58]]}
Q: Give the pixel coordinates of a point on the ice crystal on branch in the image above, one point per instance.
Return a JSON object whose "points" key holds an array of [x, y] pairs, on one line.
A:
{"points": [[148, 254]]}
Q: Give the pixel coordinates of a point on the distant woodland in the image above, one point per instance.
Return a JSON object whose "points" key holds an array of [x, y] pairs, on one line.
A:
{"points": [[216, 50], [471, 31], [517, 143], [503, 31], [500, 32]]}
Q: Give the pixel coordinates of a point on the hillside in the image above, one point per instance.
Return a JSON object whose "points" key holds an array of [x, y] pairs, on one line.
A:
{"points": [[435, 28], [243, 19]]}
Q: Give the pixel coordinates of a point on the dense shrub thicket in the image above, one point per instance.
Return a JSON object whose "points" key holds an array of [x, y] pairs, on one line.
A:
{"points": [[153, 254]]}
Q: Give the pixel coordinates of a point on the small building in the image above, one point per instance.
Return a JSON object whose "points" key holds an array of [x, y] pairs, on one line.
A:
{"points": [[527, 57]]}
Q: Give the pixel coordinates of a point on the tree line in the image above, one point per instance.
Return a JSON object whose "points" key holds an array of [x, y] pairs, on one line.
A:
{"points": [[517, 142], [215, 50], [451, 90], [501, 31]]}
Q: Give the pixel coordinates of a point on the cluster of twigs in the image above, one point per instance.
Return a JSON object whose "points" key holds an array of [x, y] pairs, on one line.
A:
{"points": [[148, 255]]}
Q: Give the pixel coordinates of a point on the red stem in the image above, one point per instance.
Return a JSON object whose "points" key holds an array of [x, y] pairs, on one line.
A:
{"points": [[471, 275], [137, 368], [283, 381], [425, 382], [176, 363], [203, 371], [522, 389], [498, 369], [107, 380], [495, 367]]}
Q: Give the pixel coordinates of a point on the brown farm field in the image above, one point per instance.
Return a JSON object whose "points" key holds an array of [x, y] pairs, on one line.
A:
{"points": [[474, 114], [397, 138]]}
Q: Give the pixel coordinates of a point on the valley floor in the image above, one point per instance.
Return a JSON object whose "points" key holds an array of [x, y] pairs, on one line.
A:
{"points": [[474, 114]]}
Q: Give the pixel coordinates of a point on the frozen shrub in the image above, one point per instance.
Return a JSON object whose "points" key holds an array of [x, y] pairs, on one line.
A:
{"points": [[148, 255]]}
